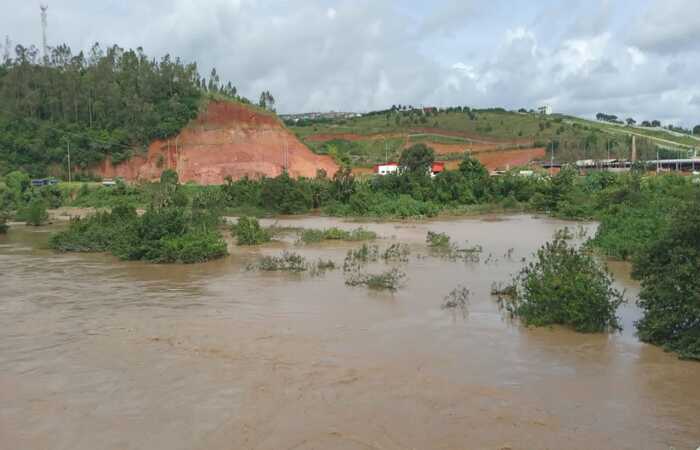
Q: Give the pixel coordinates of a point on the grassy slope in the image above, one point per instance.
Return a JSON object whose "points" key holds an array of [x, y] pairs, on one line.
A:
{"points": [[577, 138]]}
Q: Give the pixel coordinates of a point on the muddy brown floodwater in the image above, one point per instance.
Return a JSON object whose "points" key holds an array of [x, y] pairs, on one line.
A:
{"points": [[101, 354]]}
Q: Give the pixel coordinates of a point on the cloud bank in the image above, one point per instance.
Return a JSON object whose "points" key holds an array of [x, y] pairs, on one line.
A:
{"points": [[637, 59]]}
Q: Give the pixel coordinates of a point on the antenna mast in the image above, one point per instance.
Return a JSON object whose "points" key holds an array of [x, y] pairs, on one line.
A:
{"points": [[44, 24], [6, 53]]}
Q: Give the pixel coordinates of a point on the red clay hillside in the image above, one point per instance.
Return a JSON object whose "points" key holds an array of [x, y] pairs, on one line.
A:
{"points": [[226, 139]]}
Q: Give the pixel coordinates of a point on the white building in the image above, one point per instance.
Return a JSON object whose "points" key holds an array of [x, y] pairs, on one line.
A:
{"points": [[386, 168], [545, 110]]}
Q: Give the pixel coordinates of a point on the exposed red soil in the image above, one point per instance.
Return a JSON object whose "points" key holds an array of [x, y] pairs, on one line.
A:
{"points": [[492, 160], [473, 136], [446, 149], [228, 139], [353, 137], [504, 159], [478, 139]]}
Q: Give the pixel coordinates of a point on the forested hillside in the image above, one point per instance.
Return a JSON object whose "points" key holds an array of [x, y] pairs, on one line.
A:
{"points": [[110, 101]]}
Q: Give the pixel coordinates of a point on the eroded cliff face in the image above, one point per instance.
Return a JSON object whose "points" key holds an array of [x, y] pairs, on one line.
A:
{"points": [[227, 139]]}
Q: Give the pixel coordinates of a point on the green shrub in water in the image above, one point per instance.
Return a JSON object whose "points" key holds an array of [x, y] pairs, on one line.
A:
{"points": [[387, 280], [565, 286], [309, 236], [35, 213], [437, 240], [249, 232], [670, 293]]}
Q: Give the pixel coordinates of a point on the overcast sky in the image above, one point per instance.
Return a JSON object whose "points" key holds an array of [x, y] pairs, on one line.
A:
{"points": [[631, 58]]}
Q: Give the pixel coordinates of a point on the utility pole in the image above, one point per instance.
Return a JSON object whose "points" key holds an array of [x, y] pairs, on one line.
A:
{"points": [[6, 53], [551, 163], [44, 42], [69, 170], [657, 160]]}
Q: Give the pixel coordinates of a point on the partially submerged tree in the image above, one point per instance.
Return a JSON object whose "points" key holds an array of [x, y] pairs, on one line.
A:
{"points": [[565, 286], [670, 294]]}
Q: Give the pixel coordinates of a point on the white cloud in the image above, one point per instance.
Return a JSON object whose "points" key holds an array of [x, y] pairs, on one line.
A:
{"points": [[367, 54]]}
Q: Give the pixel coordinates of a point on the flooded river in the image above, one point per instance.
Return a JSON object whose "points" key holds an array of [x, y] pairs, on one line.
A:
{"points": [[101, 354]]}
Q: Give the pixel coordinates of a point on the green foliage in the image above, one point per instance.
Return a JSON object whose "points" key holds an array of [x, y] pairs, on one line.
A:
{"points": [[108, 102], [165, 234], [387, 280], [473, 169], [670, 293], [311, 235], [35, 212], [3, 222], [566, 286], [287, 262], [192, 247], [632, 213], [249, 232], [285, 195], [437, 240], [417, 159]]}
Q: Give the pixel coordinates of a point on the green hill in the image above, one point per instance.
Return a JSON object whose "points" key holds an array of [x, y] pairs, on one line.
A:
{"points": [[110, 101], [370, 138]]}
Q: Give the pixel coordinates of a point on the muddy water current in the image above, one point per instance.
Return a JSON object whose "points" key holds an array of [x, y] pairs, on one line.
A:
{"points": [[101, 354]]}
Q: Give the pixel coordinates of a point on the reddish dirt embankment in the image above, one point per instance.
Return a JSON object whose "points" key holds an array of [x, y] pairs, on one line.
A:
{"points": [[504, 159], [227, 139]]}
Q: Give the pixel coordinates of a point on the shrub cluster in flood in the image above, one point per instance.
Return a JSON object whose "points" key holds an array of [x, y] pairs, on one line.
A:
{"points": [[356, 261], [440, 244], [292, 262], [249, 232], [565, 286], [388, 279], [167, 232], [457, 298], [310, 235]]}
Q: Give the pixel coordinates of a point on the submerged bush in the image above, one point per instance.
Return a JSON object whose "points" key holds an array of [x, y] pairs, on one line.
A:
{"points": [[437, 240], [670, 293], [162, 235], [565, 286], [441, 245], [3, 223], [310, 235], [249, 232], [457, 298], [396, 252], [35, 213], [288, 262], [389, 280], [358, 258], [193, 247]]}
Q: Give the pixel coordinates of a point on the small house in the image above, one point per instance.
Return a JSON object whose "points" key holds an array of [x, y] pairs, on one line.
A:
{"points": [[386, 168], [436, 168]]}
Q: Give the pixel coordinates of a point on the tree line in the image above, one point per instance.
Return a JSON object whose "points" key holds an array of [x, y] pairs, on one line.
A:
{"points": [[106, 101]]}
